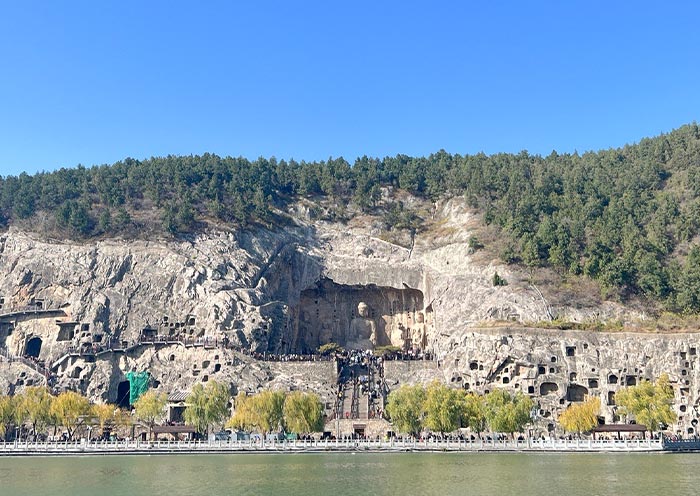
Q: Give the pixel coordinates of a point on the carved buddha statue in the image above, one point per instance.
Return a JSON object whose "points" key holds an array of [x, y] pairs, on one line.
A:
{"points": [[363, 330]]}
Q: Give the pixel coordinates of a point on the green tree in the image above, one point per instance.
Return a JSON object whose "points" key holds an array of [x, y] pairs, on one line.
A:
{"points": [[474, 244], [121, 220], [498, 280], [7, 414], [69, 409], [507, 413], [207, 405], [443, 408], [474, 412], [611, 215], [686, 282], [169, 219], [649, 403], [36, 403], [303, 413], [406, 409], [329, 348], [581, 417], [104, 223], [262, 411], [267, 408], [185, 215], [149, 408]]}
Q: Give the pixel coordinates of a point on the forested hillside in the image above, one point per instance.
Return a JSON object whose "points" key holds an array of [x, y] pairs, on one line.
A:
{"points": [[626, 217]]}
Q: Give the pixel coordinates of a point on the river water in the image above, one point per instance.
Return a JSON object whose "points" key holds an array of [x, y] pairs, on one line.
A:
{"points": [[337, 474]]}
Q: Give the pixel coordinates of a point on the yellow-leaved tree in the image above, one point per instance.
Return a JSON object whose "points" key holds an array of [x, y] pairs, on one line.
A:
{"points": [[506, 412], [303, 413], [36, 403], [443, 408], [262, 411], [104, 413], [7, 413], [69, 410], [149, 408], [581, 417]]}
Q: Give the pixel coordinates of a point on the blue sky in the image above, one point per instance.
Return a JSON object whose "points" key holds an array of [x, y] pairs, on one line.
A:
{"points": [[94, 82]]}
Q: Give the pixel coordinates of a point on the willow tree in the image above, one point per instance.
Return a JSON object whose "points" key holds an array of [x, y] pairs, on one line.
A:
{"points": [[474, 412], [104, 413], [207, 405], [581, 417], [267, 408], [443, 408], [406, 409], [262, 411], [303, 413], [7, 414], [242, 417], [649, 403], [69, 409], [149, 407], [506, 412], [36, 403]]}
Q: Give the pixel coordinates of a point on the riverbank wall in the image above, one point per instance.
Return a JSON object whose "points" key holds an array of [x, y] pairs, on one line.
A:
{"points": [[83, 448]]}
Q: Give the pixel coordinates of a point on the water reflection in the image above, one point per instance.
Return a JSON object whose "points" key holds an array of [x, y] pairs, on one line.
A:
{"points": [[340, 474]]}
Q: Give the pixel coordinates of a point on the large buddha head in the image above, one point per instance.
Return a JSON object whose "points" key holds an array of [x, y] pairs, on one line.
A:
{"points": [[363, 309]]}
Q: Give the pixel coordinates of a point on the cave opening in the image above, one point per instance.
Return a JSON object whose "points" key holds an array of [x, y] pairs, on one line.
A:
{"points": [[576, 393], [123, 392], [337, 313], [548, 388], [33, 347]]}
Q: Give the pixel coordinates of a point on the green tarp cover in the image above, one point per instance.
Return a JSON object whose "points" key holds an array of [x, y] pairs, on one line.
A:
{"points": [[138, 384]]}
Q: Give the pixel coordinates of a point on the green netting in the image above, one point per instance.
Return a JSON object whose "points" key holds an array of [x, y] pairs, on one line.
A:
{"points": [[138, 384]]}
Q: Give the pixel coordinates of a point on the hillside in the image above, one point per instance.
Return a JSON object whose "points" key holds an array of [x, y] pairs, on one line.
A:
{"points": [[626, 218], [80, 314]]}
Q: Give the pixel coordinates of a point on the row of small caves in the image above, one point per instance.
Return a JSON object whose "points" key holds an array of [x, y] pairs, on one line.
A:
{"points": [[556, 386], [325, 314], [169, 328], [398, 314], [78, 344], [166, 330]]}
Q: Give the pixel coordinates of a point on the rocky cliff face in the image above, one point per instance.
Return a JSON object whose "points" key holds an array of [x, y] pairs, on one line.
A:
{"points": [[289, 290], [249, 285], [561, 367]]}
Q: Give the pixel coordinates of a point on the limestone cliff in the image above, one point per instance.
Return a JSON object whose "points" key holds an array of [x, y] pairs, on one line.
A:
{"points": [[291, 289]]}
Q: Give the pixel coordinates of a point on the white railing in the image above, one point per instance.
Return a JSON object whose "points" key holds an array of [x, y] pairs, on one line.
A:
{"points": [[136, 446]]}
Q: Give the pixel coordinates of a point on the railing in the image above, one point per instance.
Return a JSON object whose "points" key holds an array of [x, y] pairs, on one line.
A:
{"points": [[9, 313], [257, 445], [681, 444], [355, 405], [36, 366]]}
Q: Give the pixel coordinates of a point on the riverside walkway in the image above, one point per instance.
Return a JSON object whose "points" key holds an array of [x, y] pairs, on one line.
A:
{"points": [[83, 447]]}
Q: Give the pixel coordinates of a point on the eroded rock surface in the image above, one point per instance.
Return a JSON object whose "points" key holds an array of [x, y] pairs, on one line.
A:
{"points": [[292, 289]]}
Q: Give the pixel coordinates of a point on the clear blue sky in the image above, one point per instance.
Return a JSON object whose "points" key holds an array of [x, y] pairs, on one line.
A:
{"points": [[93, 82]]}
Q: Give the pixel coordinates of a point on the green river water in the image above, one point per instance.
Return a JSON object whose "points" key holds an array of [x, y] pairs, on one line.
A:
{"points": [[403, 474]]}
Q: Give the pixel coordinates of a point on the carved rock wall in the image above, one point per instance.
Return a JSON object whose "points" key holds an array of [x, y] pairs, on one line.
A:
{"points": [[258, 289], [326, 311]]}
